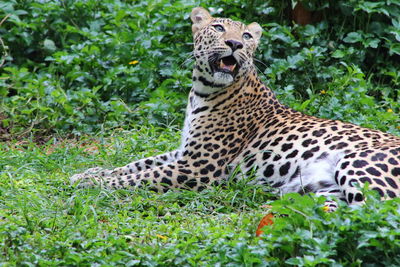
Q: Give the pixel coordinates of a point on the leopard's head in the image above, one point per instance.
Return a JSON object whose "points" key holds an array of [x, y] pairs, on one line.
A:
{"points": [[223, 49]]}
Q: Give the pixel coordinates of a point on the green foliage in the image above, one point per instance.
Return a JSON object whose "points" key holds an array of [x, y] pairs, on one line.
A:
{"points": [[81, 66], [93, 63]]}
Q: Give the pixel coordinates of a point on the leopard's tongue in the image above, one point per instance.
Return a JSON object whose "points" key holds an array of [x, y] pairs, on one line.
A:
{"points": [[228, 67]]}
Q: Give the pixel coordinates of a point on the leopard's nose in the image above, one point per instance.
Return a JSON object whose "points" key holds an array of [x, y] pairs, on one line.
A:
{"points": [[234, 44]]}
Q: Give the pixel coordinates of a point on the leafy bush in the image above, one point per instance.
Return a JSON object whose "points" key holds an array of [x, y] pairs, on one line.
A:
{"points": [[81, 66]]}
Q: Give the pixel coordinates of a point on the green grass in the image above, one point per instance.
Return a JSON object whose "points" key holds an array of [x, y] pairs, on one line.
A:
{"points": [[47, 222]]}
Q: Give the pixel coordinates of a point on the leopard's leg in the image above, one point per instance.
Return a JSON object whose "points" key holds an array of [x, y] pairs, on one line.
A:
{"points": [[134, 167], [147, 163], [178, 174], [370, 166]]}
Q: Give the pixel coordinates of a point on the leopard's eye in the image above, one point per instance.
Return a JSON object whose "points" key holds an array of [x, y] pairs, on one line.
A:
{"points": [[219, 28], [247, 36]]}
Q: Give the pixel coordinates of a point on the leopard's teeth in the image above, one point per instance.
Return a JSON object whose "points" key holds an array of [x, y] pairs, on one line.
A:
{"points": [[221, 65], [226, 67]]}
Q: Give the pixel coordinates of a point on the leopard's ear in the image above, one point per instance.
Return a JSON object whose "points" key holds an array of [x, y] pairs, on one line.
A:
{"points": [[200, 18], [256, 30]]}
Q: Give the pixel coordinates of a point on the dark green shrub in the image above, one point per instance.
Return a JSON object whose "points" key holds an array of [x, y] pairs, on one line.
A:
{"points": [[81, 66]]}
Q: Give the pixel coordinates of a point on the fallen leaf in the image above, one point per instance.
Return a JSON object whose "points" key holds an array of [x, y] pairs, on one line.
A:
{"points": [[266, 220]]}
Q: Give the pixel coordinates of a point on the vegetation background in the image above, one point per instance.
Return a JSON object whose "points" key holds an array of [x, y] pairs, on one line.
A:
{"points": [[89, 82]]}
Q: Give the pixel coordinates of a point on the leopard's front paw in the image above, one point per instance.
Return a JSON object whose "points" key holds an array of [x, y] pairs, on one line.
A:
{"points": [[91, 177]]}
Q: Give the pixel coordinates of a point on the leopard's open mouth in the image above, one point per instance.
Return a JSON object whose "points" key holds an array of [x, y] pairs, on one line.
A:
{"points": [[227, 65]]}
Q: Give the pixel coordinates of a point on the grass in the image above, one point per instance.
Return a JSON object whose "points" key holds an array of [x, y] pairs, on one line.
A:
{"points": [[44, 221]]}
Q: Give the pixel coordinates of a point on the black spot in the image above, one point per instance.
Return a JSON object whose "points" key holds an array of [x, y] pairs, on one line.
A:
{"points": [[269, 171], [315, 149], [350, 156], [344, 165], [256, 144], [360, 173], [199, 110], [168, 173], [186, 171], [215, 146], [195, 156], [379, 191], [341, 145], [343, 180], [353, 182], [266, 155], [359, 197], [250, 163], [355, 138], [165, 180], [306, 155], [274, 143], [284, 169], [148, 162], [396, 171], [210, 167], [350, 197], [318, 133], [336, 177], [221, 162], [306, 143], [215, 155], [383, 167], [205, 180], [360, 163], [286, 147], [181, 178], [303, 129], [277, 184], [380, 182], [156, 174], [365, 180], [192, 143], [217, 173], [191, 183], [292, 154], [378, 157], [373, 171], [391, 182], [393, 161], [204, 171], [390, 193]]}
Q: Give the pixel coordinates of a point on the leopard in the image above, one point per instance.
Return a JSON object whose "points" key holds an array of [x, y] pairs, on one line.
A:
{"points": [[234, 121]]}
